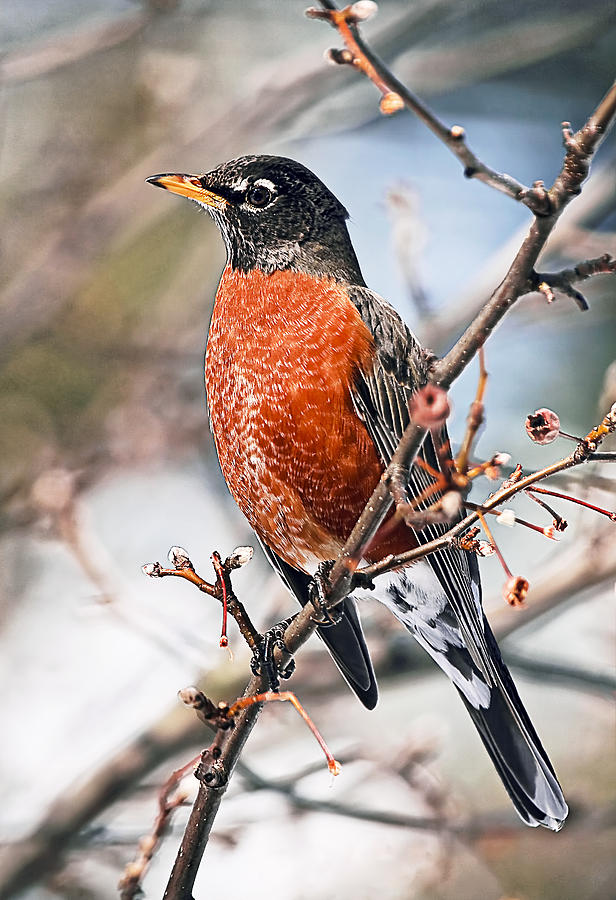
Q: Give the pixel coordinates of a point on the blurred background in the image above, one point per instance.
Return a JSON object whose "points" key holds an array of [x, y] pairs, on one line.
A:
{"points": [[106, 288]]}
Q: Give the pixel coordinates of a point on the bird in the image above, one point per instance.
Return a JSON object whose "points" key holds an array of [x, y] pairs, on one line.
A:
{"points": [[308, 377]]}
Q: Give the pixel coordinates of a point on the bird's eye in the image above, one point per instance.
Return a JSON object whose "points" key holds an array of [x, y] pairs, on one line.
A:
{"points": [[259, 195]]}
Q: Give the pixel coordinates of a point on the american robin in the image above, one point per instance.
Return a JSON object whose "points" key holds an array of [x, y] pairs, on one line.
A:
{"points": [[308, 377]]}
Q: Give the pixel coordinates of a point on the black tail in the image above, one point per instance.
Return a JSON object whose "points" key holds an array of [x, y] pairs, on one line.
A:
{"points": [[345, 640], [346, 643], [516, 751], [441, 607]]}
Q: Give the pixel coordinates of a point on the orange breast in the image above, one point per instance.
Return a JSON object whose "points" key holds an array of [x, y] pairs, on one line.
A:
{"points": [[282, 352]]}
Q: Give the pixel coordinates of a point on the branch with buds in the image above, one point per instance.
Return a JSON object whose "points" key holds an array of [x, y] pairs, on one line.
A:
{"points": [[516, 587], [182, 567], [395, 96]]}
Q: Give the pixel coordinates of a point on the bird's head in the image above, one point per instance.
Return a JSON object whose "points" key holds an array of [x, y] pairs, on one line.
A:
{"points": [[273, 213]]}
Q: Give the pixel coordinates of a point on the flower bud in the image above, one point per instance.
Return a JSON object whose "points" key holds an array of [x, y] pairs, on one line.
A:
{"points": [[543, 426], [363, 10], [506, 517], [485, 548], [391, 103], [429, 407], [239, 557], [515, 590], [179, 559], [191, 696]]}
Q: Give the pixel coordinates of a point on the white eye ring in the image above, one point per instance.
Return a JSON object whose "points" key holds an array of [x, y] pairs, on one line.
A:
{"points": [[259, 196]]}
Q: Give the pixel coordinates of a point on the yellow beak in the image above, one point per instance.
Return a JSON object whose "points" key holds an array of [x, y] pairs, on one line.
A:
{"points": [[188, 186]]}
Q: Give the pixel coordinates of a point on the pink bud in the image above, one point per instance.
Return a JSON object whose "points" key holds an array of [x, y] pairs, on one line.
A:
{"points": [[515, 590], [543, 426], [429, 407]]}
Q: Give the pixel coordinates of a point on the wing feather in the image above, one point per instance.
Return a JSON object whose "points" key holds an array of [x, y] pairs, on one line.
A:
{"points": [[381, 397]]}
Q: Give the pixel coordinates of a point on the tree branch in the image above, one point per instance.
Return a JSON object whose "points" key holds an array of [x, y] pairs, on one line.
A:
{"points": [[582, 453], [396, 95]]}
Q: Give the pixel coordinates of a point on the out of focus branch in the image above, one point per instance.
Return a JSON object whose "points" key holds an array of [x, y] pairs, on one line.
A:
{"points": [[168, 802], [50, 54], [561, 673]]}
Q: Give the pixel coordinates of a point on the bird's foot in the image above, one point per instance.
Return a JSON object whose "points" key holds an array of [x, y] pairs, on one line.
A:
{"points": [[263, 663], [317, 591], [362, 581]]}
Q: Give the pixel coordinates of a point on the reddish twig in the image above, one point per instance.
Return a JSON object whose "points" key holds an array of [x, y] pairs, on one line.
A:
{"points": [[182, 567], [223, 716], [475, 416], [222, 577], [268, 696], [130, 883], [597, 509]]}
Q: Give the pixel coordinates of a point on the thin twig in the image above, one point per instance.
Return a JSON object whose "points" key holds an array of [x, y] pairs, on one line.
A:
{"points": [[563, 281], [362, 57], [598, 509], [222, 590], [581, 454], [470, 830], [581, 679], [475, 416]]}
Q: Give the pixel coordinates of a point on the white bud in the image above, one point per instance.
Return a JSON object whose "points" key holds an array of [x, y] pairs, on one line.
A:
{"points": [[485, 548], [239, 557], [363, 10], [179, 559], [451, 502], [189, 695], [501, 459], [151, 569], [507, 517]]}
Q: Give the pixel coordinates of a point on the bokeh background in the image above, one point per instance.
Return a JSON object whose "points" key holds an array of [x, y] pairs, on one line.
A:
{"points": [[106, 459]]}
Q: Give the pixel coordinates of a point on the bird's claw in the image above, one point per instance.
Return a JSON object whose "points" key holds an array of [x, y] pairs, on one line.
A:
{"points": [[262, 662], [318, 596], [362, 581]]}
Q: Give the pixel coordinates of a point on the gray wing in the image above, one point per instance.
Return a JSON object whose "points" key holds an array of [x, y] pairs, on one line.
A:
{"points": [[453, 629], [381, 399]]}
